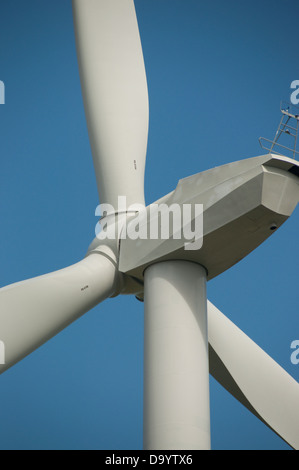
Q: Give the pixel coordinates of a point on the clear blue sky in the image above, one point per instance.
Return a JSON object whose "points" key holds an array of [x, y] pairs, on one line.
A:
{"points": [[216, 73]]}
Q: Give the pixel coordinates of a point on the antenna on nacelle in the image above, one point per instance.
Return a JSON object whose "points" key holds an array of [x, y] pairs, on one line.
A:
{"points": [[288, 129]]}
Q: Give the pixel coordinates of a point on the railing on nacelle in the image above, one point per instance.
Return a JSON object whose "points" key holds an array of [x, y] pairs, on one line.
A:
{"points": [[289, 127]]}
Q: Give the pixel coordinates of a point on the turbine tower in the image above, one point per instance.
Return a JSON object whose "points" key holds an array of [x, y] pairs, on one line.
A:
{"points": [[186, 337]]}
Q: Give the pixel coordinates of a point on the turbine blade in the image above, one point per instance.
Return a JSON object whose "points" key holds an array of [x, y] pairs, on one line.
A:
{"points": [[33, 311], [253, 377], [115, 95]]}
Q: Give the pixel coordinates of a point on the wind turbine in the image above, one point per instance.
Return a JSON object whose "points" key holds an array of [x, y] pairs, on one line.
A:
{"points": [[95, 278]]}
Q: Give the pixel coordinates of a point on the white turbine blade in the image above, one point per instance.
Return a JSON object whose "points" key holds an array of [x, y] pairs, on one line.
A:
{"points": [[33, 311], [253, 377], [115, 95]]}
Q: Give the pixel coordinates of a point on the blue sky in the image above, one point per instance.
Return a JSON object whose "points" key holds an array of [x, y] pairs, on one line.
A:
{"points": [[217, 72]]}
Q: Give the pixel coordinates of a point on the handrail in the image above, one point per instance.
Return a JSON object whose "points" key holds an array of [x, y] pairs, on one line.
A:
{"points": [[294, 152]]}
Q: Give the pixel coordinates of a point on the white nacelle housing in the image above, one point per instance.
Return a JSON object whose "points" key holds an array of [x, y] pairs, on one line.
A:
{"points": [[243, 204]]}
